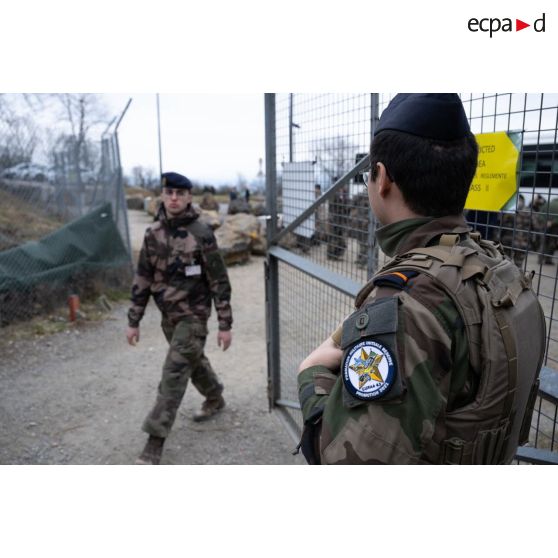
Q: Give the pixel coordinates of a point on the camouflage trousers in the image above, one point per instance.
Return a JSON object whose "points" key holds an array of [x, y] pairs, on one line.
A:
{"points": [[548, 246], [185, 359], [362, 257], [336, 242]]}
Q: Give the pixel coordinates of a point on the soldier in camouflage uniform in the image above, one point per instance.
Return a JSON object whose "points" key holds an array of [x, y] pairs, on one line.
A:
{"points": [[415, 367], [359, 219], [320, 217], [516, 232], [209, 203], [338, 212], [181, 267], [547, 227]]}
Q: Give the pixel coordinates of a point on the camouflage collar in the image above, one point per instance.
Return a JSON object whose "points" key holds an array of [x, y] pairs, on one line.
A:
{"points": [[400, 237], [189, 215]]}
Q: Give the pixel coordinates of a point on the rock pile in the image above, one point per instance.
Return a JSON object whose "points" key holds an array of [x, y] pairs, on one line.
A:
{"points": [[239, 236]]}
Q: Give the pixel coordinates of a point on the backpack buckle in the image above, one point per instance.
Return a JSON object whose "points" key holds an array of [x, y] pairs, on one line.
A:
{"points": [[452, 451]]}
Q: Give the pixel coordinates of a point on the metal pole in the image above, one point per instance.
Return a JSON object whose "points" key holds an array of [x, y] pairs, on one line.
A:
{"points": [[290, 127], [271, 265], [159, 136], [122, 115], [270, 163], [112, 122], [372, 263]]}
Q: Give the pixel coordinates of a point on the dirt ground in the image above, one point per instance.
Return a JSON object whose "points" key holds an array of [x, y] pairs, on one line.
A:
{"points": [[79, 396]]}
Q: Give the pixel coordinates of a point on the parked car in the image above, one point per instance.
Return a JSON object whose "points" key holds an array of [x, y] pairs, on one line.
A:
{"points": [[35, 173], [26, 171], [17, 171]]}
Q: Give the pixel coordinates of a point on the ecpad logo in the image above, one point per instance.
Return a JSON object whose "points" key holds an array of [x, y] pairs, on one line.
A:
{"points": [[494, 24]]}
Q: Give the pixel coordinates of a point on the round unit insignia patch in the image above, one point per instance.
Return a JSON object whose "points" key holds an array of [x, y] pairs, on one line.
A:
{"points": [[369, 370]]}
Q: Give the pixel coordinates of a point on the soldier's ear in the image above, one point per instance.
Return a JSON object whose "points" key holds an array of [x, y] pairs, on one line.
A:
{"points": [[383, 182]]}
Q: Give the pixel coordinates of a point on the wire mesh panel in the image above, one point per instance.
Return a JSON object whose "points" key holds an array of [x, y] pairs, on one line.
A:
{"points": [[326, 241], [543, 435], [309, 311]]}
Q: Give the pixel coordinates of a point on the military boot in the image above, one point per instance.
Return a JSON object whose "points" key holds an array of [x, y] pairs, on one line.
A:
{"points": [[209, 408], [151, 454]]}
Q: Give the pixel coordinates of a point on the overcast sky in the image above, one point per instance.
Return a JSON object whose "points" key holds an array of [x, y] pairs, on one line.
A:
{"points": [[206, 137]]}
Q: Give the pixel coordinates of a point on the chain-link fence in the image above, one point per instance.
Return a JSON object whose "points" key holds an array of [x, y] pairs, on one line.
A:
{"points": [[63, 227], [323, 246]]}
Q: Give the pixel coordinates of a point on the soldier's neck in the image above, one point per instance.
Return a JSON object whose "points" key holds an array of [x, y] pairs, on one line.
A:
{"points": [[390, 236]]}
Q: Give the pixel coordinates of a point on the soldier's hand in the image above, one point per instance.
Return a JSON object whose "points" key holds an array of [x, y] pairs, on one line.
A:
{"points": [[328, 354], [224, 338], [132, 334]]}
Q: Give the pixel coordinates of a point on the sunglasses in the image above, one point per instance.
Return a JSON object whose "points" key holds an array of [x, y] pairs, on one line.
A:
{"points": [[366, 177]]}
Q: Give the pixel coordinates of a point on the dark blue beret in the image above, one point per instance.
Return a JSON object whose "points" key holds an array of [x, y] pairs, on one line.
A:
{"points": [[438, 116], [175, 180]]}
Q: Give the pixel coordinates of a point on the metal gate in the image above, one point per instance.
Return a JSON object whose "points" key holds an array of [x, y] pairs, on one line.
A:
{"points": [[321, 240]]}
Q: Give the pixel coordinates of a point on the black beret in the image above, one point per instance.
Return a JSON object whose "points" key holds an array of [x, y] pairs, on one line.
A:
{"points": [[175, 180], [438, 116]]}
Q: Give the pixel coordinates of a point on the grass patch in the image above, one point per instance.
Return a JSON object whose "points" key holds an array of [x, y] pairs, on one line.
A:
{"points": [[21, 221], [117, 295]]}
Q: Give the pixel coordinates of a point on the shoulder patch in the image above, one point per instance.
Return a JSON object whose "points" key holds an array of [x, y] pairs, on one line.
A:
{"points": [[369, 370], [395, 279]]}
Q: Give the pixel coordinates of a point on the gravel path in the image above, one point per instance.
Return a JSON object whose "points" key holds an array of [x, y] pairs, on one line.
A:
{"points": [[80, 396]]}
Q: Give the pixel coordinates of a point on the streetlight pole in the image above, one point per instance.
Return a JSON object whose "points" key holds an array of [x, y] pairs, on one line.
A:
{"points": [[159, 135]]}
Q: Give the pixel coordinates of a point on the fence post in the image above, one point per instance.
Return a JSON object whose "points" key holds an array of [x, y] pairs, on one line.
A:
{"points": [[372, 260], [120, 195], [271, 265], [291, 146]]}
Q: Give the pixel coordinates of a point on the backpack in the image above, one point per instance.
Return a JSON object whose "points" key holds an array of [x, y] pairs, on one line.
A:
{"points": [[506, 334]]}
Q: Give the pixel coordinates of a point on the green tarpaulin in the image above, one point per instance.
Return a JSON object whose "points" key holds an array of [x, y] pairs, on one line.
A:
{"points": [[91, 242]]}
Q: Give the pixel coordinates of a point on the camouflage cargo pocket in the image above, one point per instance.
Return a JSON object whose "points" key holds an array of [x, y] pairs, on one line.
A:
{"points": [[191, 328]]}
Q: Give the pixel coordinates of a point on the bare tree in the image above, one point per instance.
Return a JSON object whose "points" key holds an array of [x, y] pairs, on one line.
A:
{"points": [[334, 156], [151, 180], [19, 135], [82, 112], [144, 177], [78, 114], [138, 176]]}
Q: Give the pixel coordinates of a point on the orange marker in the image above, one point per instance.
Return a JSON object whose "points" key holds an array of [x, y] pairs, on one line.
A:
{"points": [[73, 304]]}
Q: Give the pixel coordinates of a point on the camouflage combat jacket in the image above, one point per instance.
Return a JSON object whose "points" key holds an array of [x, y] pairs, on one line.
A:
{"points": [[181, 267], [516, 229], [432, 359]]}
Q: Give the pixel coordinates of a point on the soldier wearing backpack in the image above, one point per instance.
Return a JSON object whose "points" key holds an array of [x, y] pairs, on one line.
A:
{"points": [[440, 360]]}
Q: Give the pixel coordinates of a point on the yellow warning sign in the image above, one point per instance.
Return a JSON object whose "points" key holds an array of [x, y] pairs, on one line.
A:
{"points": [[495, 181]]}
